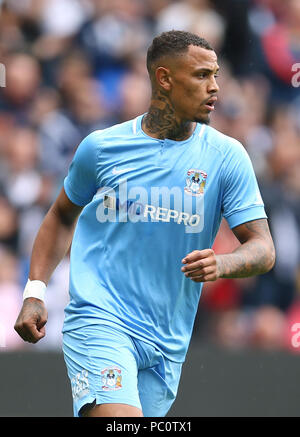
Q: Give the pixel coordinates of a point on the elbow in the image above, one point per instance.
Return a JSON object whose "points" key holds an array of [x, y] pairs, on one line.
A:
{"points": [[271, 258]]}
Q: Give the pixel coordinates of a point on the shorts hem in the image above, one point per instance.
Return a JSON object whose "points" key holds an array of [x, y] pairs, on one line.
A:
{"points": [[91, 399], [81, 403]]}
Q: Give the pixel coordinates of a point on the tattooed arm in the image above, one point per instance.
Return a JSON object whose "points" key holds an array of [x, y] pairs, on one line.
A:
{"points": [[50, 246], [255, 256]]}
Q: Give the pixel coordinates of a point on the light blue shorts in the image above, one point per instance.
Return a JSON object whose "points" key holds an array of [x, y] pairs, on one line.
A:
{"points": [[106, 365]]}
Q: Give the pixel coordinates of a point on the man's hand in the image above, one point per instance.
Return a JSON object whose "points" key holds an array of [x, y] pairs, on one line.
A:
{"points": [[201, 266], [255, 256], [30, 324]]}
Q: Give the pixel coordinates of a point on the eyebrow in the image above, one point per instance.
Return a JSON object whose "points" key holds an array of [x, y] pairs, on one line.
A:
{"points": [[206, 70]]}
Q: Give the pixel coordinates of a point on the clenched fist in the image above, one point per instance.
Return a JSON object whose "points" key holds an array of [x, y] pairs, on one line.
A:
{"points": [[201, 266], [30, 324]]}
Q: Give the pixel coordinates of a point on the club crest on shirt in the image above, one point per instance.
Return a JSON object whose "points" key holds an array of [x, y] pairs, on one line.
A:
{"points": [[111, 378], [195, 182]]}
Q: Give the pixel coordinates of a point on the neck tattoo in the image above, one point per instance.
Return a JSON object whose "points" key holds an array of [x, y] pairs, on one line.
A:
{"points": [[161, 122]]}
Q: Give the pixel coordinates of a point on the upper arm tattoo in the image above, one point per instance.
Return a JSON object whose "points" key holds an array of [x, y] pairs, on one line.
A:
{"points": [[253, 229]]}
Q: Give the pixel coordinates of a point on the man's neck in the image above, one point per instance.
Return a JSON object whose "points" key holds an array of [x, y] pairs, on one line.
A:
{"points": [[161, 121]]}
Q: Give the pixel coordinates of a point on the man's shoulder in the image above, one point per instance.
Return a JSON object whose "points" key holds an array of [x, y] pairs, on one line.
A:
{"points": [[223, 142]]}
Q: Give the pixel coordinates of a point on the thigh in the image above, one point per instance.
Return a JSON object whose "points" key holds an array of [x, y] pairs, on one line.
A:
{"points": [[102, 367], [158, 386], [111, 410]]}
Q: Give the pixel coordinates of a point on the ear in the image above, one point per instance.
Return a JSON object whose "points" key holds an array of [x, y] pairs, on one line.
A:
{"points": [[163, 79]]}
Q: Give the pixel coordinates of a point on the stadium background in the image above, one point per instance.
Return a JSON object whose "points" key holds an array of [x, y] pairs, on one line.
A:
{"points": [[73, 66]]}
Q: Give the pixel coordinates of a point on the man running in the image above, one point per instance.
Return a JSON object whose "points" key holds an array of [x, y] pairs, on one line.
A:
{"points": [[150, 194]]}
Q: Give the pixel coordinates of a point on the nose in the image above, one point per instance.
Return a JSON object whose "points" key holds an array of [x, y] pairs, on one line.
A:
{"points": [[213, 87]]}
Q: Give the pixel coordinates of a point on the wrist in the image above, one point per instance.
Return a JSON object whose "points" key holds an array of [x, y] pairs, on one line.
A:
{"points": [[220, 265], [34, 289]]}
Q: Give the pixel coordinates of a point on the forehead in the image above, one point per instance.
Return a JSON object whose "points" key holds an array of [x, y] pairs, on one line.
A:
{"points": [[197, 57]]}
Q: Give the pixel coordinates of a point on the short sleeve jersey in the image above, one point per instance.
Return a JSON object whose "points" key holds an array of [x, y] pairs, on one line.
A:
{"points": [[147, 204]]}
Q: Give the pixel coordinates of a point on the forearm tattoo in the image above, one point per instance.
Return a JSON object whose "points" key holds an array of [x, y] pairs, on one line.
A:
{"points": [[255, 256]]}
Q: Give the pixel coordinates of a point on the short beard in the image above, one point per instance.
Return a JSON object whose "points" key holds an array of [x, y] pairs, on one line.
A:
{"points": [[202, 120]]}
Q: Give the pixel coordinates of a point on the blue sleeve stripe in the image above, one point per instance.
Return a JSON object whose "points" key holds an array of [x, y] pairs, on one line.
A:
{"points": [[246, 215], [72, 195]]}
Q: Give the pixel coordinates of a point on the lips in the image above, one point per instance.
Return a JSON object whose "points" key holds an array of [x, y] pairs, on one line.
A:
{"points": [[210, 103]]}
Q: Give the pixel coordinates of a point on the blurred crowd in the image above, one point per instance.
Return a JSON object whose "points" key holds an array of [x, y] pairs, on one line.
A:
{"points": [[73, 66]]}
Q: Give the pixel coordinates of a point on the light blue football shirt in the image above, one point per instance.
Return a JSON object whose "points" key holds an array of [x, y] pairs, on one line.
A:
{"points": [[147, 204]]}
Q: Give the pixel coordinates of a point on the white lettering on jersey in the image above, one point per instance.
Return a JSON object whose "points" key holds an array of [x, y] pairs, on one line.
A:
{"points": [[165, 215], [164, 205]]}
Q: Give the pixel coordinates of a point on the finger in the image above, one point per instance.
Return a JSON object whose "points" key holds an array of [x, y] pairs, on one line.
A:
{"points": [[204, 278], [200, 272], [196, 265], [30, 333], [42, 331], [40, 324], [37, 333], [197, 255], [26, 335]]}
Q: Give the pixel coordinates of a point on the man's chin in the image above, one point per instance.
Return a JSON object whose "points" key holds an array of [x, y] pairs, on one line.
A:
{"points": [[205, 119]]}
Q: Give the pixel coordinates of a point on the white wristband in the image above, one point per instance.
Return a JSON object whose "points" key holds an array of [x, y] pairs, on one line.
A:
{"points": [[34, 289]]}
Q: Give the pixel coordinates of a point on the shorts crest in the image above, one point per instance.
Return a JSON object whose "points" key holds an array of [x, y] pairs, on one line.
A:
{"points": [[111, 378]]}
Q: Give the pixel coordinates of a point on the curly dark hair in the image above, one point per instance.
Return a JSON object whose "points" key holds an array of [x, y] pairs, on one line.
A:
{"points": [[173, 43]]}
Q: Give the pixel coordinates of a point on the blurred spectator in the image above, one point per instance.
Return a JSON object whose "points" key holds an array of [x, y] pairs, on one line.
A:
{"points": [[263, 328], [53, 15], [62, 129], [11, 35], [43, 23], [279, 45], [21, 179], [135, 94], [28, 191], [269, 324], [232, 328], [10, 301], [23, 77], [115, 32], [281, 192], [46, 101], [8, 225], [56, 33], [193, 16], [180, 14]]}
